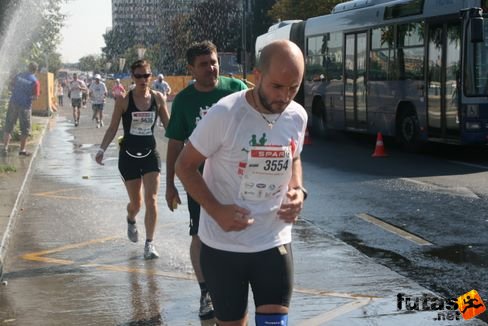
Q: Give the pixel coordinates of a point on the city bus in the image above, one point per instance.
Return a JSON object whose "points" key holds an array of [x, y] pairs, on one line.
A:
{"points": [[416, 70]]}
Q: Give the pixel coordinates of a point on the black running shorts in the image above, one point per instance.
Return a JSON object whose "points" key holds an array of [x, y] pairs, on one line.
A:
{"points": [[134, 164], [228, 275]]}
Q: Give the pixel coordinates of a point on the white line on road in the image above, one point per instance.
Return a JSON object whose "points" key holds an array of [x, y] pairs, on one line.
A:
{"points": [[334, 313], [472, 165], [393, 229], [454, 191]]}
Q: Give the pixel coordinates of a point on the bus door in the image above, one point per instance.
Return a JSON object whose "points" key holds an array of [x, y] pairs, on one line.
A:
{"points": [[355, 81], [443, 79]]}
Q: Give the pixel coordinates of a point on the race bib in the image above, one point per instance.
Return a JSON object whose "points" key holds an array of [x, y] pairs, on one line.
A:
{"points": [[142, 123], [267, 173]]}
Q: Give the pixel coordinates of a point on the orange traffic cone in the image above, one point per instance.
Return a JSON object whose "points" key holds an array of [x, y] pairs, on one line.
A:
{"points": [[308, 139], [379, 150]]}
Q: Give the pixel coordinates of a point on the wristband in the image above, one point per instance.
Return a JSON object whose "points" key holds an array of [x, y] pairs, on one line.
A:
{"points": [[304, 191], [101, 150]]}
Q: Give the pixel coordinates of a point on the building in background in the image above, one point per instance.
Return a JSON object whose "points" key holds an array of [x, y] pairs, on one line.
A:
{"points": [[147, 18]]}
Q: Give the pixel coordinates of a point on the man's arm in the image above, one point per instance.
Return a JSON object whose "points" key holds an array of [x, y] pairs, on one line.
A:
{"points": [[173, 150], [162, 108], [229, 217], [293, 203]]}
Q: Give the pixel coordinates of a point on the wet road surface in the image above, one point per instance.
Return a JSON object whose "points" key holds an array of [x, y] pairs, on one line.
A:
{"points": [[70, 262]]}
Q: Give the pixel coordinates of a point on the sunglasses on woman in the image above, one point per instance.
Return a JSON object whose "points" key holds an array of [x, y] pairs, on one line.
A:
{"points": [[139, 76]]}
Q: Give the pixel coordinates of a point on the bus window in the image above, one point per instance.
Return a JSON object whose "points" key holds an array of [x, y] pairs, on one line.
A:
{"points": [[381, 45], [334, 56], [315, 57], [410, 51], [476, 73]]}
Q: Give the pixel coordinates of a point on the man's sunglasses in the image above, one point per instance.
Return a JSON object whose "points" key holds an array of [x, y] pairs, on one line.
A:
{"points": [[139, 76]]}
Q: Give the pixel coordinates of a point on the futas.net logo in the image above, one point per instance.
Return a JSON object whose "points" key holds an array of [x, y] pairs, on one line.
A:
{"points": [[468, 305]]}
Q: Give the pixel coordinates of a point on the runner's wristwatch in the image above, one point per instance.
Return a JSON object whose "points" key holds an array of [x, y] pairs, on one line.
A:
{"points": [[305, 192]]}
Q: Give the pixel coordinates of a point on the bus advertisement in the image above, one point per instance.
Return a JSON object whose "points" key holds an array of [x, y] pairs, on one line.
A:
{"points": [[416, 70]]}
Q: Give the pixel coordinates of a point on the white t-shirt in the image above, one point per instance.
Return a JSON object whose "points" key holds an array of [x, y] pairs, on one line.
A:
{"points": [[98, 92], [161, 86], [228, 136], [76, 88]]}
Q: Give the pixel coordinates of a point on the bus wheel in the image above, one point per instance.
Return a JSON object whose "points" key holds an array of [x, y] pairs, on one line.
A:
{"points": [[408, 129], [319, 124]]}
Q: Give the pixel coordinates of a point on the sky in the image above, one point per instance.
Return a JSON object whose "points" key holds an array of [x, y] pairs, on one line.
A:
{"points": [[86, 22]]}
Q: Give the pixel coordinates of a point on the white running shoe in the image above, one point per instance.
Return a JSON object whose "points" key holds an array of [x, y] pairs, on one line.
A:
{"points": [[150, 251]]}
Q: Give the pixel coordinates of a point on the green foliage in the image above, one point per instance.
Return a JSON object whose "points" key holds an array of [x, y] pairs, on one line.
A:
{"points": [[301, 9], [6, 168], [48, 34], [94, 63], [42, 42]]}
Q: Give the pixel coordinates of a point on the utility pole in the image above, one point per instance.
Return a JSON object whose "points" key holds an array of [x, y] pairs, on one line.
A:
{"points": [[244, 41]]}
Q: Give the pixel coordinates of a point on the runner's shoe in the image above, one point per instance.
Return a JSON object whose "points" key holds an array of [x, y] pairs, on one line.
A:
{"points": [[150, 251], [132, 232], [24, 153], [206, 307]]}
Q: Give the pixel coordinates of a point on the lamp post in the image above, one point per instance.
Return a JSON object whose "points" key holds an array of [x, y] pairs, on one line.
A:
{"points": [[246, 14], [244, 41], [121, 64], [140, 52]]}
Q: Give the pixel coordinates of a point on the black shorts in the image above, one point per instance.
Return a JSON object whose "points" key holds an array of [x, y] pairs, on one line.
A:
{"points": [[98, 107], [133, 164], [76, 102], [194, 209], [228, 275]]}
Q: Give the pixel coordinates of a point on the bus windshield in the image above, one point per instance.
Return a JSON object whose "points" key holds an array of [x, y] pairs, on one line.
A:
{"points": [[476, 78]]}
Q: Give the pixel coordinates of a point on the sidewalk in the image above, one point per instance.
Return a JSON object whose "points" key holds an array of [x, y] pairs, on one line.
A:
{"points": [[334, 283], [13, 184]]}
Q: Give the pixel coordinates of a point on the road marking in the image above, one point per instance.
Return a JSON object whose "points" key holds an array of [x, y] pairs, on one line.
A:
{"points": [[336, 312], [39, 255], [393, 229], [126, 269], [358, 300], [472, 165], [454, 191], [323, 293], [54, 194]]}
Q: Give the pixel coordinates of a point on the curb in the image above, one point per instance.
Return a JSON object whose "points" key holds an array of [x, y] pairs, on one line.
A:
{"points": [[19, 199]]}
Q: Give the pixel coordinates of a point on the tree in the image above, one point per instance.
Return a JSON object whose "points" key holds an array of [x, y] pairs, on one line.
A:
{"points": [[301, 9], [31, 30], [92, 63], [221, 26], [48, 33], [260, 21], [117, 41]]}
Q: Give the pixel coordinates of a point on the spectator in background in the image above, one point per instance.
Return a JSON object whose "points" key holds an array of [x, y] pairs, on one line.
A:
{"points": [[118, 89], [161, 85], [60, 92], [25, 89]]}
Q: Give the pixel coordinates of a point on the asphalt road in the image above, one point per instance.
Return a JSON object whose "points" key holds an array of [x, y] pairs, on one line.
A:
{"points": [[438, 195], [71, 264]]}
